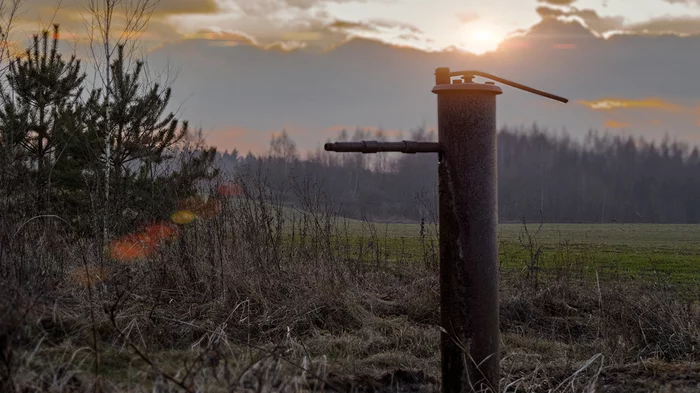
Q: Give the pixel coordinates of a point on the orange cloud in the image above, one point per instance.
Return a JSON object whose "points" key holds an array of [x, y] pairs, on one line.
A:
{"points": [[616, 124], [223, 38], [373, 130], [246, 139], [240, 138], [609, 104]]}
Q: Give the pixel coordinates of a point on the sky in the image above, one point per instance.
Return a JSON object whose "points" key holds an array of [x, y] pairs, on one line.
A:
{"points": [[245, 69]]}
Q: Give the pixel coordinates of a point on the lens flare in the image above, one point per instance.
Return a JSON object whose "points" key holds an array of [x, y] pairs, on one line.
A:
{"points": [[142, 244], [183, 217], [131, 248], [229, 190], [161, 232], [201, 206]]}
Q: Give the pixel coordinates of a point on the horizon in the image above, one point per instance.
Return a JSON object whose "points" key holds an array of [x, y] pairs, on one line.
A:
{"points": [[263, 58]]}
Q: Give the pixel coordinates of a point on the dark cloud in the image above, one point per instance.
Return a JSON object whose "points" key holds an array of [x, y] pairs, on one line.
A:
{"points": [[685, 25], [304, 31], [549, 12], [176, 7], [373, 25], [590, 18], [258, 89], [347, 25], [168, 7], [557, 2]]}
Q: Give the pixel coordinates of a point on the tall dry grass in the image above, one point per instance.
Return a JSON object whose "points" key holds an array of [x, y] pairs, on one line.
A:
{"points": [[259, 298]]}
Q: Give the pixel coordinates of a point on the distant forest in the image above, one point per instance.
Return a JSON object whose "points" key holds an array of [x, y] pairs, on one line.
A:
{"points": [[542, 177]]}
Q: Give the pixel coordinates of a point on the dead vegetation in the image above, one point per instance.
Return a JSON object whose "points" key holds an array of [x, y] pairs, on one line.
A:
{"points": [[236, 303]]}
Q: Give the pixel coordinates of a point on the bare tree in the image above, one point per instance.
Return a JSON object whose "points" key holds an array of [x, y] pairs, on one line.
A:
{"points": [[113, 24]]}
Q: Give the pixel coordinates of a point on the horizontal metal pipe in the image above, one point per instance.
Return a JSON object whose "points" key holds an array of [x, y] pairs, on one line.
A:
{"points": [[366, 147]]}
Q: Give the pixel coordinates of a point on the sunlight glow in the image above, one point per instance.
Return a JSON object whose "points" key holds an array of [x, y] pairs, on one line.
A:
{"points": [[480, 39]]}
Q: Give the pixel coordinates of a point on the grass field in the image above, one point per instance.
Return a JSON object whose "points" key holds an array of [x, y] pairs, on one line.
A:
{"points": [[641, 251], [239, 303]]}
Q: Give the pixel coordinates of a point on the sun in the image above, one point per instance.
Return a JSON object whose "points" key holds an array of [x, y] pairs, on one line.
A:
{"points": [[483, 35], [480, 39]]}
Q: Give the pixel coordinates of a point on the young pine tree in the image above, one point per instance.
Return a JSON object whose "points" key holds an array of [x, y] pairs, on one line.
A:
{"points": [[143, 138], [41, 106]]}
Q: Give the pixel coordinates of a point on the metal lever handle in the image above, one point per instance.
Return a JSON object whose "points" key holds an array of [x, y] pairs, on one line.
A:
{"points": [[470, 75]]}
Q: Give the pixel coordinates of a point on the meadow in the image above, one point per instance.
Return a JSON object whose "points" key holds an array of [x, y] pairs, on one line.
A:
{"points": [[668, 252], [261, 297]]}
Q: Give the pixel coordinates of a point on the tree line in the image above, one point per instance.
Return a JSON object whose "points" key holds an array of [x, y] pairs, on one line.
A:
{"points": [[542, 177]]}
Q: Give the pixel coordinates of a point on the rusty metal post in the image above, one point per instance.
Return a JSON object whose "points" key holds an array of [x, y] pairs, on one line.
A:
{"points": [[468, 239], [468, 216]]}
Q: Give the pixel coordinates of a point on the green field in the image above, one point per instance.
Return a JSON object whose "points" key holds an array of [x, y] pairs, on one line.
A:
{"points": [[669, 253]]}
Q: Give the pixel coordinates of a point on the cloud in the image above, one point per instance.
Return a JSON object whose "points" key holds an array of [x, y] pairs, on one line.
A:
{"points": [[589, 18], [223, 38], [611, 104], [614, 124], [395, 25], [685, 25], [74, 18], [177, 7], [557, 2], [316, 30], [689, 2], [270, 7], [373, 25], [667, 25], [162, 8], [347, 25], [468, 17]]}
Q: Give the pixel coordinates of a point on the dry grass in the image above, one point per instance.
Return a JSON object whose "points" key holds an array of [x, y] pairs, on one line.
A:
{"points": [[237, 304]]}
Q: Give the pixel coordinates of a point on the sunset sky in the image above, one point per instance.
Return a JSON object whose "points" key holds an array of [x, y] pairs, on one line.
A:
{"points": [[249, 68]]}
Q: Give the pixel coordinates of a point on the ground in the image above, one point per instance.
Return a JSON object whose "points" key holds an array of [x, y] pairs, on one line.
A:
{"points": [[237, 304]]}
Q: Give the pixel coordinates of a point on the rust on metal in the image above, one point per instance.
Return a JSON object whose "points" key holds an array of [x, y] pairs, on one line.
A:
{"points": [[468, 217], [366, 147], [468, 239]]}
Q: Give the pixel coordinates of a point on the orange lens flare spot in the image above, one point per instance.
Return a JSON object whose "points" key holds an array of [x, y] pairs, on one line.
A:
{"points": [[131, 247], [89, 275], [183, 217], [229, 190], [161, 232]]}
